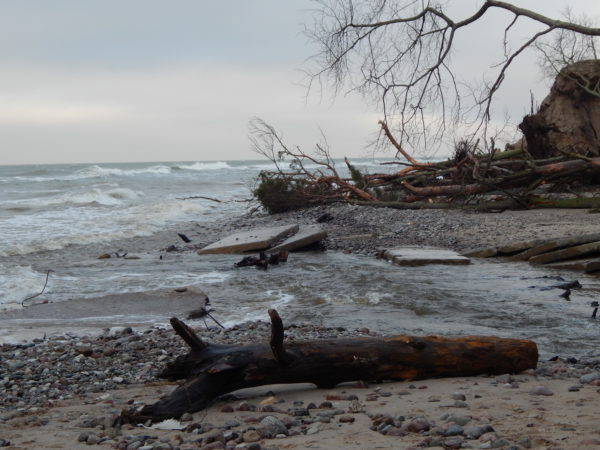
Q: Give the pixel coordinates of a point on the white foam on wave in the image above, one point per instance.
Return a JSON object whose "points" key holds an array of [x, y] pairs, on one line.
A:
{"points": [[212, 277], [94, 196], [53, 230], [275, 299], [217, 165], [96, 171], [18, 283]]}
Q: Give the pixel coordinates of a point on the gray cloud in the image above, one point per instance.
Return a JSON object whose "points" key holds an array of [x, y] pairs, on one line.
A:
{"points": [[153, 80]]}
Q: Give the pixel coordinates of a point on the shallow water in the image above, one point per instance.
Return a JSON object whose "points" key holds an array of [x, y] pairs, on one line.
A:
{"points": [[62, 217], [335, 289]]}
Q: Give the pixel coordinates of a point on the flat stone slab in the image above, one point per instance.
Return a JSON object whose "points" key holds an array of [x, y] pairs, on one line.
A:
{"points": [[421, 256], [581, 265], [566, 253], [257, 239], [306, 235]]}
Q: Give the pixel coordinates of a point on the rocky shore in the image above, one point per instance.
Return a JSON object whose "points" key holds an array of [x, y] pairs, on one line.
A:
{"points": [[67, 391], [362, 229]]}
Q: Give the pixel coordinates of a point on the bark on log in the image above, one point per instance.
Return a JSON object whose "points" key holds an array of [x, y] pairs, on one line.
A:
{"points": [[213, 370]]}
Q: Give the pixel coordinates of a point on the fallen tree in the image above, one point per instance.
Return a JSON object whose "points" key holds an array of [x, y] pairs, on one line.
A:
{"points": [[212, 370], [398, 53], [514, 177]]}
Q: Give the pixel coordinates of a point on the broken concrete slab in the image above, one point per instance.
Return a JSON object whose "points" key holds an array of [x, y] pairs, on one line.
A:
{"points": [[258, 239], [306, 235], [421, 256], [581, 265], [566, 253], [555, 244]]}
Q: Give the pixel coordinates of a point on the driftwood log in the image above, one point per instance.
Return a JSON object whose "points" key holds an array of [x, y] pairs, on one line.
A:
{"points": [[213, 370]]}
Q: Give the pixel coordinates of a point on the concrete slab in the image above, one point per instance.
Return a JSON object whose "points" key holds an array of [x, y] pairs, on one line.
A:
{"points": [[257, 239], [581, 265], [555, 244], [421, 256], [306, 235], [567, 253]]}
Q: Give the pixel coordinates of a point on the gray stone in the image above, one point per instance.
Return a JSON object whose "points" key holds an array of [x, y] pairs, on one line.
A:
{"points": [[458, 396], [313, 430], [271, 426], [524, 442], [306, 235], [541, 390], [453, 442], [417, 425], [259, 239], [92, 439], [186, 417], [479, 430], [251, 436], [420, 256], [458, 420], [588, 378], [454, 430]]}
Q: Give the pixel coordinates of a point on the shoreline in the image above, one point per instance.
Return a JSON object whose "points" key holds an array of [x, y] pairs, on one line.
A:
{"points": [[66, 393], [116, 374]]}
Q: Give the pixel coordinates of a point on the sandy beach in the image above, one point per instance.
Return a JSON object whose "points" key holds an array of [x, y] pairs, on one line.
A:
{"points": [[65, 392]]}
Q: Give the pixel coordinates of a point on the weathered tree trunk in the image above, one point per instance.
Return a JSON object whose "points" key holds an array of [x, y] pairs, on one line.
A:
{"points": [[569, 117], [213, 370]]}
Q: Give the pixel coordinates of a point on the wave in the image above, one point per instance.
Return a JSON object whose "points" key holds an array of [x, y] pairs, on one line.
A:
{"points": [[94, 197], [19, 282], [217, 165], [96, 171], [54, 230]]}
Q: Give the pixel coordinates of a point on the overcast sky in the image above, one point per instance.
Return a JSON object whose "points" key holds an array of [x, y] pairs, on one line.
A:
{"points": [[149, 80]]}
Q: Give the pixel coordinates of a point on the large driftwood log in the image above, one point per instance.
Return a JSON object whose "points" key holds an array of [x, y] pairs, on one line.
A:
{"points": [[213, 370]]}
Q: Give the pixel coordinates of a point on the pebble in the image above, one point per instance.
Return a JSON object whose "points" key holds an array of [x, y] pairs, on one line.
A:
{"points": [[271, 426], [479, 430], [454, 430], [313, 430], [540, 390], [46, 372], [417, 425], [588, 378], [459, 396], [459, 420], [251, 436], [454, 442]]}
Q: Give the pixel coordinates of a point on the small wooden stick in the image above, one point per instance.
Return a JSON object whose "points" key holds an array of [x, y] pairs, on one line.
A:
{"points": [[277, 338], [187, 334]]}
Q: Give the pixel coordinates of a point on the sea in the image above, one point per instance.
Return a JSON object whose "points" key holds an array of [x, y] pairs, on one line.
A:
{"points": [[55, 220]]}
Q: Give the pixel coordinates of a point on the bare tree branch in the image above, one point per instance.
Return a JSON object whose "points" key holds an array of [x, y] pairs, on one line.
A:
{"points": [[399, 53]]}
